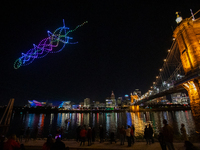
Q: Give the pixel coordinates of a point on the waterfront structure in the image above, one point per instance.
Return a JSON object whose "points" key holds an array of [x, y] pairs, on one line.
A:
{"points": [[59, 104], [34, 103], [65, 105]]}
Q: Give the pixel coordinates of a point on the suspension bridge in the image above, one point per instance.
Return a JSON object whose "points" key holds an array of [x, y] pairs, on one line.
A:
{"points": [[181, 68]]}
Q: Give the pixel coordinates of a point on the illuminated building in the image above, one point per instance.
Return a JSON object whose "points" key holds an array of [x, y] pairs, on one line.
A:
{"points": [[87, 103], [34, 103], [111, 101], [65, 105], [119, 101], [59, 104], [113, 98]]}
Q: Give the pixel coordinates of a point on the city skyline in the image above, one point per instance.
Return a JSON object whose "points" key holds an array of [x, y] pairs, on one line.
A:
{"points": [[120, 49]]}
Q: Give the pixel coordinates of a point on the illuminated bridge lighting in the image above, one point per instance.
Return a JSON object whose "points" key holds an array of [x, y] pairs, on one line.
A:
{"points": [[47, 45]]}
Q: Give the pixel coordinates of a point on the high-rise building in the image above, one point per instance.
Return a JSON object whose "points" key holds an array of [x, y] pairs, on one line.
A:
{"points": [[111, 101], [113, 98], [87, 102], [119, 101]]}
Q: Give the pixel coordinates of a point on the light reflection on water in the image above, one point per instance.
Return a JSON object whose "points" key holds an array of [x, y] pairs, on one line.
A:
{"points": [[48, 123]]}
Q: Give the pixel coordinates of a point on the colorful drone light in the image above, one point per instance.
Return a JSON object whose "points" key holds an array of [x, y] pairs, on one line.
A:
{"points": [[46, 45]]}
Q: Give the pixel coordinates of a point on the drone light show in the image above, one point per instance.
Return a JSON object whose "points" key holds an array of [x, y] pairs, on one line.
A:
{"points": [[51, 44]]}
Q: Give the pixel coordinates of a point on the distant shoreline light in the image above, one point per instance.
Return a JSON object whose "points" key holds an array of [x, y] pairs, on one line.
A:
{"points": [[46, 45]]}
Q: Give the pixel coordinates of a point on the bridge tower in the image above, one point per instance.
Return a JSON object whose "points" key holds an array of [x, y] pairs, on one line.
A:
{"points": [[187, 35]]}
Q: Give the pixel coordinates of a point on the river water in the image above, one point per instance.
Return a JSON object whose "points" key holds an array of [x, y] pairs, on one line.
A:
{"points": [[48, 123]]}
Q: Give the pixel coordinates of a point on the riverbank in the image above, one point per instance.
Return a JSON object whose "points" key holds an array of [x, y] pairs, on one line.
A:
{"points": [[73, 145]]}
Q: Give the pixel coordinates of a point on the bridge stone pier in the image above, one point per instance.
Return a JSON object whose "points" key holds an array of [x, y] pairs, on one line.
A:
{"points": [[187, 35]]}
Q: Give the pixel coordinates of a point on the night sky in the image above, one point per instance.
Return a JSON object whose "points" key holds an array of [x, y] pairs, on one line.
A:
{"points": [[120, 49]]}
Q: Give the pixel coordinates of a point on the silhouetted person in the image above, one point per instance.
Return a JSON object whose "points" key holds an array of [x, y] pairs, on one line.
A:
{"points": [[132, 133], [12, 143], [62, 133], [128, 135], [168, 134], [112, 137], [48, 144], [146, 134], [183, 132], [122, 135], [93, 134], [151, 134], [58, 145], [161, 140], [21, 134], [57, 132], [28, 131], [89, 136], [78, 130], [35, 133], [83, 134], [101, 132]]}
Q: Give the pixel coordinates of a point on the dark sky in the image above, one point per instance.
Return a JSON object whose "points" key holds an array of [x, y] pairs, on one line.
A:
{"points": [[121, 48]]}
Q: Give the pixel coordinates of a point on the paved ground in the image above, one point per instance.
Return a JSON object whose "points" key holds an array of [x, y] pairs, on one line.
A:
{"points": [[33, 145]]}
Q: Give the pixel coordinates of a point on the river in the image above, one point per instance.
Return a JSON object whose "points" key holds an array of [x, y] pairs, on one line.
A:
{"points": [[48, 123]]}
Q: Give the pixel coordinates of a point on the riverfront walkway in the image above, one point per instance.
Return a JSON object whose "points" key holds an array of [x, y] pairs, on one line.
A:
{"points": [[73, 145]]}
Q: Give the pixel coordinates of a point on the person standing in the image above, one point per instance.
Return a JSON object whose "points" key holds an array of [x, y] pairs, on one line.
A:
{"points": [[61, 133], [93, 134], [28, 131], [48, 144], [146, 134], [132, 133], [83, 134], [151, 134], [58, 145], [183, 132], [161, 140], [36, 133], [78, 130], [101, 132], [89, 135], [122, 135], [21, 134], [168, 135], [128, 135], [12, 143]]}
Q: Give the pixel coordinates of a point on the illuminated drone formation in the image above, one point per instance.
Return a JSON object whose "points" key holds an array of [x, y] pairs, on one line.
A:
{"points": [[46, 45]]}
